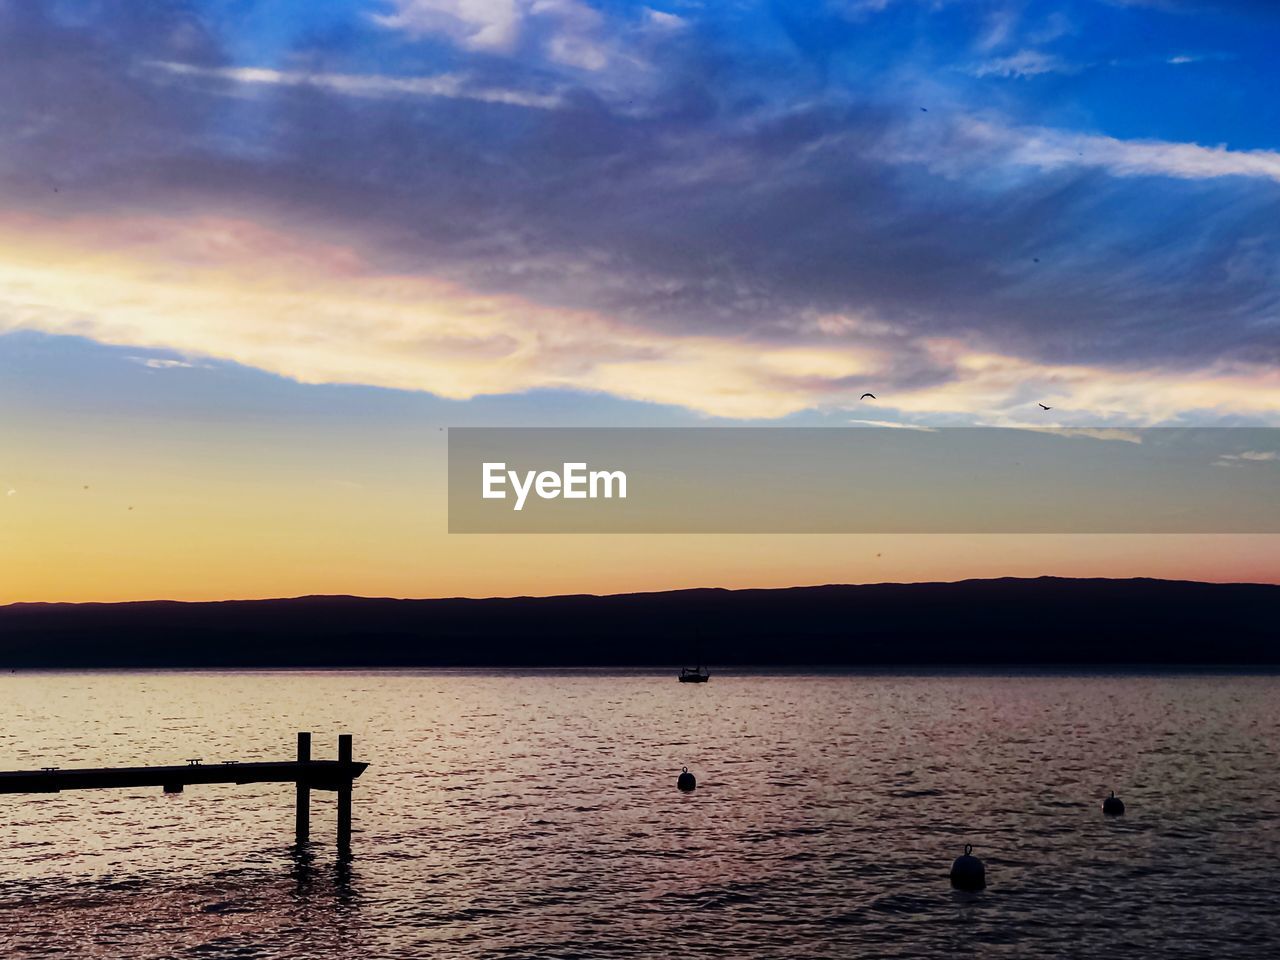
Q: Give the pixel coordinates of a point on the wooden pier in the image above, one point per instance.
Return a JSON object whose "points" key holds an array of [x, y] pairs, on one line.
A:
{"points": [[307, 774]]}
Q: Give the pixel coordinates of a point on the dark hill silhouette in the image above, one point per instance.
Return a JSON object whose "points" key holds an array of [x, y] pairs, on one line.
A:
{"points": [[1042, 621]]}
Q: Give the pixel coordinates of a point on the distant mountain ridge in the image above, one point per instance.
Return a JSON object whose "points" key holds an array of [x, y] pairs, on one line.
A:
{"points": [[985, 622]]}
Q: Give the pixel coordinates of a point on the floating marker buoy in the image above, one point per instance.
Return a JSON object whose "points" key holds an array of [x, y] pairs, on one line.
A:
{"points": [[686, 781], [1113, 805], [968, 873]]}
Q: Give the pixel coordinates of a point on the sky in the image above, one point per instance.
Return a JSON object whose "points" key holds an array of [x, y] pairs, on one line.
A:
{"points": [[255, 256]]}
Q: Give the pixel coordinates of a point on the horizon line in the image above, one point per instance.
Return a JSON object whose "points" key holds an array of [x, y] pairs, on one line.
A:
{"points": [[637, 593]]}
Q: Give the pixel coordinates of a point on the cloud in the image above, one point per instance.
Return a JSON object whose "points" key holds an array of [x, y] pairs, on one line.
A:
{"points": [[365, 85], [663, 20], [317, 313], [159, 363], [1183, 59], [567, 32], [714, 219], [981, 141], [576, 39], [1025, 63], [475, 24], [324, 319], [999, 27], [1255, 456]]}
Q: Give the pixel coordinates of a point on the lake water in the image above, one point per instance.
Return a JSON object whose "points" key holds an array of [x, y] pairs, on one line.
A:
{"points": [[534, 814]]}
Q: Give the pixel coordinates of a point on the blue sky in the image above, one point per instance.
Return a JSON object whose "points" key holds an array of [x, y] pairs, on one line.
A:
{"points": [[742, 210], [1100, 65]]}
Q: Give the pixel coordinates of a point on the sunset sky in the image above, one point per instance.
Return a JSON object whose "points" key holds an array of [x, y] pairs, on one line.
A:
{"points": [[254, 256]]}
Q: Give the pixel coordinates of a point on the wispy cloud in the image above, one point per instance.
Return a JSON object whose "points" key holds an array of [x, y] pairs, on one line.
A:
{"points": [[567, 32], [1182, 59], [999, 26], [1252, 456], [1025, 63], [475, 24], [365, 85], [161, 363], [663, 20], [1048, 149]]}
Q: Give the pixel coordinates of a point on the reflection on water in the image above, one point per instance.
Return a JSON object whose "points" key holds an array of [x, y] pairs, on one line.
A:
{"points": [[530, 814], [247, 911]]}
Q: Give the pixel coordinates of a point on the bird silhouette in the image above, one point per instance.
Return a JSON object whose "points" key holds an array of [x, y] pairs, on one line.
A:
{"points": [[1043, 407], [924, 109], [1036, 259], [865, 395]]}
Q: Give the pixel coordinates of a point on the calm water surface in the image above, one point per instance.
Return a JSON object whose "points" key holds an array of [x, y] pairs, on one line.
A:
{"points": [[534, 814]]}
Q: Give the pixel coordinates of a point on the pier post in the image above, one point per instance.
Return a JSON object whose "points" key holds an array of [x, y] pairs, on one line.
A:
{"points": [[302, 814], [344, 795]]}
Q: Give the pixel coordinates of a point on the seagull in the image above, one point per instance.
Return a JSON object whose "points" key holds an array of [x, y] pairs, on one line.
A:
{"points": [[865, 395], [1043, 407]]}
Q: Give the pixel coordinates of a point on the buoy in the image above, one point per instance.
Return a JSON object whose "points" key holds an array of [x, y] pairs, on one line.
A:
{"points": [[1113, 805], [968, 873], [686, 781]]}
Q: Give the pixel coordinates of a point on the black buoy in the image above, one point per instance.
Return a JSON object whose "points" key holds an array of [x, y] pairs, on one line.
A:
{"points": [[1113, 805], [968, 873], [686, 781]]}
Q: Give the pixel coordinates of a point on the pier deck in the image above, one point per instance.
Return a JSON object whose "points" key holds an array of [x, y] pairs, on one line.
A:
{"points": [[306, 775]]}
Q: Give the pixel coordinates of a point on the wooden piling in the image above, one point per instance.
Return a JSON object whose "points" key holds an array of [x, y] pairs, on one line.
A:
{"points": [[344, 794], [302, 811]]}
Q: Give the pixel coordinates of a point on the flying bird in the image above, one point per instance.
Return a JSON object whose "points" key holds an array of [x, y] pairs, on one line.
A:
{"points": [[1043, 407], [1036, 259], [865, 395]]}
